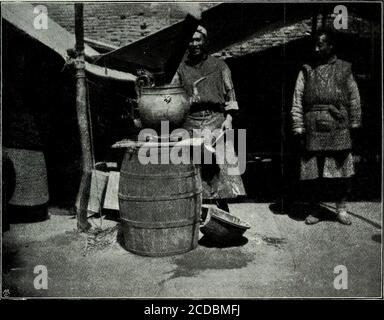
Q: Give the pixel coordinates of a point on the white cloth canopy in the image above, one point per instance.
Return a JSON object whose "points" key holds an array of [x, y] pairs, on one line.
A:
{"points": [[22, 16]]}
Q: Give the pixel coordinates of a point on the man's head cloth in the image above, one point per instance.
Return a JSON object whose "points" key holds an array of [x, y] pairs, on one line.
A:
{"points": [[203, 31]]}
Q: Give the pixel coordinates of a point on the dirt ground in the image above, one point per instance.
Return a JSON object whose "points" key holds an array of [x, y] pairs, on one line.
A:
{"points": [[279, 256]]}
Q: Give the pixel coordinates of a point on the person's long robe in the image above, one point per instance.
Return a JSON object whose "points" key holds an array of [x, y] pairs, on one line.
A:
{"points": [[217, 96], [326, 164]]}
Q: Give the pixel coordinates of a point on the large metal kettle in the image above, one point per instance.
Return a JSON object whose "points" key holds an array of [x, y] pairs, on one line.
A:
{"points": [[164, 103]]}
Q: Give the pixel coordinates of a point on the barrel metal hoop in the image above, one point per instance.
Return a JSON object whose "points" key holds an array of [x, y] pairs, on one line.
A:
{"points": [[160, 254], [161, 224], [163, 176], [168, 197]]}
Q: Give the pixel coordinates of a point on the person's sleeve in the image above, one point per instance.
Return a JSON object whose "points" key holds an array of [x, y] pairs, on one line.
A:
{"points": [[176, 80], [229, 91], [354, 102], [297, 105]]}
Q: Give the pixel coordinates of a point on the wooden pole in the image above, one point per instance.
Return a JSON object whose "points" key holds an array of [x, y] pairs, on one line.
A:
{"points": [[83, 123], [323, 17], [314, 21]]}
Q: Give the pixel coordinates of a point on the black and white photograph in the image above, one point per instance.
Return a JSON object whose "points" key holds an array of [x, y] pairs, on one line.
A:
{"points": [[192, 150]]}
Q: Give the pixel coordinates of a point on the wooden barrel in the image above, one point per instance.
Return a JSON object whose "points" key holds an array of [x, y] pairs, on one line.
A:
{"points": [[160, 206]]}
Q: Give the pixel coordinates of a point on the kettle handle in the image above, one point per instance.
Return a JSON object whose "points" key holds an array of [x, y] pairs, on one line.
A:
{"points": [[194, 85]]}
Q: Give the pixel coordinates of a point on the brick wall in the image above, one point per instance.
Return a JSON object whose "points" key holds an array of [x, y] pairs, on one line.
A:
{"points": [[292, 32], [118, 23], [121, 23], [268, 40]]}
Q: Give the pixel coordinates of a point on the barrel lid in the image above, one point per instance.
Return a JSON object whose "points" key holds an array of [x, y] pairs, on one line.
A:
{"points": [[127, 143]]}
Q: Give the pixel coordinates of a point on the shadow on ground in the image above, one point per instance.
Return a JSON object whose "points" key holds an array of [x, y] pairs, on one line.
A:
{"points": [[208, 242], [199, 260], [299, 211], [11, 260], [377, 238]]}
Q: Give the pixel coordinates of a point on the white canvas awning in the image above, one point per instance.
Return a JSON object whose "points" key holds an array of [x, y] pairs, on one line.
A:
{"points": [[22, 16]]}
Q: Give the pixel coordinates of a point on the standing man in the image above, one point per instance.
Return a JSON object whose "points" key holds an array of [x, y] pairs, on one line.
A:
{"points": [[213, 105], [326, 109]]}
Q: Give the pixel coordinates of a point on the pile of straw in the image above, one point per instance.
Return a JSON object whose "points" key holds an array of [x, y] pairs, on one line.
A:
{"points": [[99, 239]]}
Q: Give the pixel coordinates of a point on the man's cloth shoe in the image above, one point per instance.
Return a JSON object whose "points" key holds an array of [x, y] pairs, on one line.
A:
{"points": [[342, 217], [312, 219]]}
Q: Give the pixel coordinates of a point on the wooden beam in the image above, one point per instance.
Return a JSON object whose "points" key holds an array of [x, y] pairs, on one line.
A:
{"points": [[83, 123]]}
